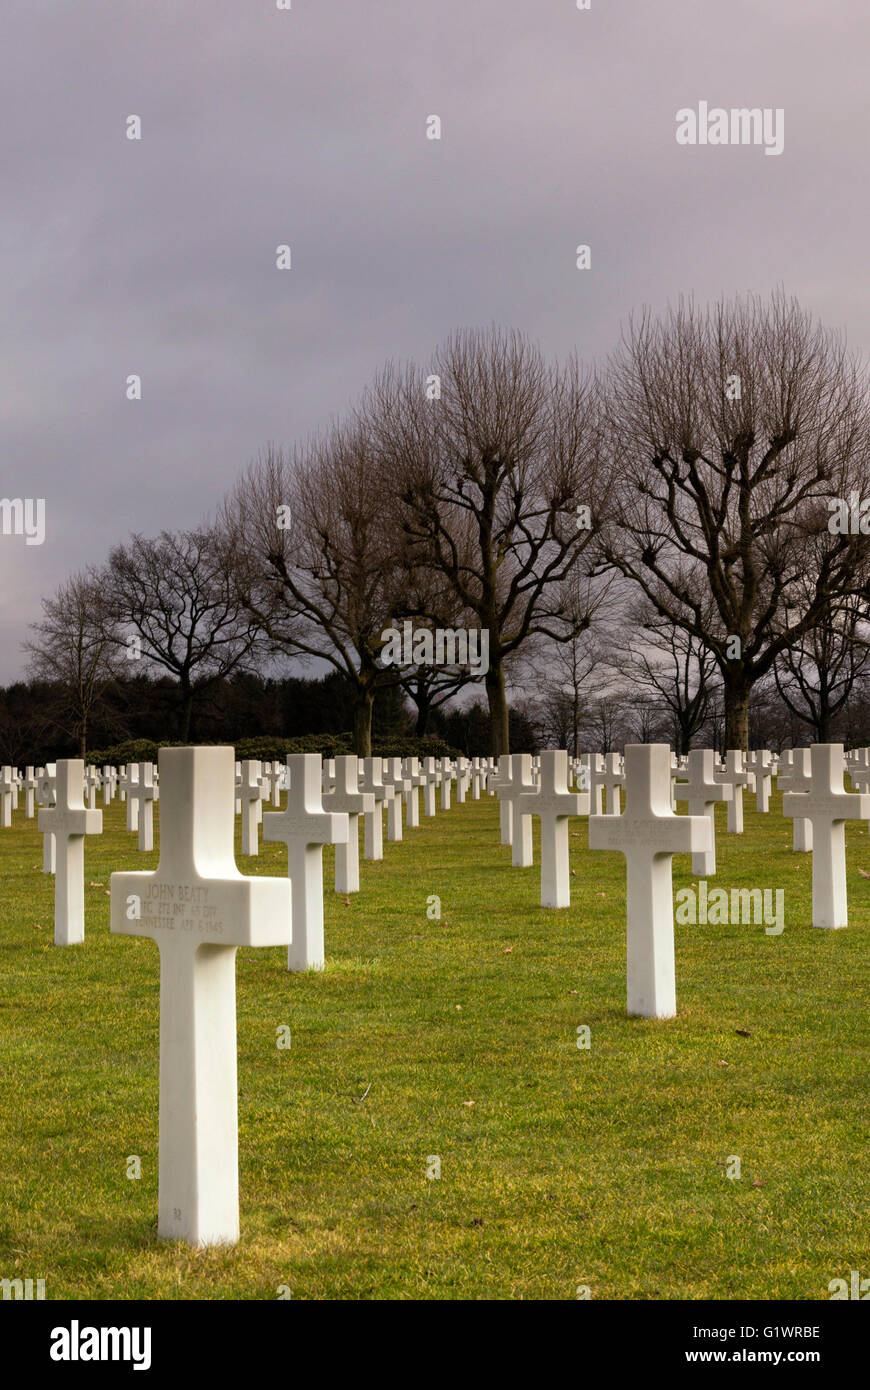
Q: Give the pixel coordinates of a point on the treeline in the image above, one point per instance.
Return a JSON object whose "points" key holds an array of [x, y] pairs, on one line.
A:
{"points": [[244, 707], [684, 527]]}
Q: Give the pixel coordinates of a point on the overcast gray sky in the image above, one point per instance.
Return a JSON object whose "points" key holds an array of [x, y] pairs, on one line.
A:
{"points": [[308, 127]]}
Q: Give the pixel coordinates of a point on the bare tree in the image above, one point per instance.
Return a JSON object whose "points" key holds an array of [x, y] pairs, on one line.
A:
{"points": [[174, 604], [816, 676], [673, 666], [313, 551], [489, 454], [731, 429], [73, 649]]}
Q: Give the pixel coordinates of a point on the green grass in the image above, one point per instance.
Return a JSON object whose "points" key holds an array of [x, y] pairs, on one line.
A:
{"points": [[559, 1167]]}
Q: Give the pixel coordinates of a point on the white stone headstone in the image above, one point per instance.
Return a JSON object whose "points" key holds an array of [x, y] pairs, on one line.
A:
{"points": [[31, 786], [735, 775], [346, 798], [126, 782], [304, 827], [702, 792], [69, 822], [827, 805], [371, 782], [199, 909], [517, 792], [553, 804], [798, 778], [649, 835], [761, 766], [140, 793], [8, 783], [499, 782], [250, 792]]}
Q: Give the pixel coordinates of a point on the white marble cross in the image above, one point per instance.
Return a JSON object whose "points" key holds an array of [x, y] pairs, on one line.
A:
{"points": [[612, 779], [478, 776], [304, 827], [798, 778], [463, 778], [649, 834], [499, 783], [414, 779], [827, 805], [45, 795], [346, 798], [110, 781], [199, 909], [7, 787], [595, 764], [371, 782], [126, 783], [736, 776], [519, 791], [141, 793], [760, 765], [553, 804], [92, 785], [431, 778], [69, 822], [250, 792], [446, 779], [702, 792], [31, 786], [396, 784]]}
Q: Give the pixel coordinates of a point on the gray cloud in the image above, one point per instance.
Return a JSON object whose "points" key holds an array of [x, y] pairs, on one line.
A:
{"points": [[308, 127]]}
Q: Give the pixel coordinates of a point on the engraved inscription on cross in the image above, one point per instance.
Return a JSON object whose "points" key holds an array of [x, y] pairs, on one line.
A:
{"points": [[199, 909]]}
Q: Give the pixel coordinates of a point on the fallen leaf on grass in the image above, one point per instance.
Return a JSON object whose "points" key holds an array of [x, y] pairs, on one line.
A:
{"points": [[756, 1182], [864, 873], [468, 1104], [507, 950], [743, 1032], [723, 1064], [347, 902]]}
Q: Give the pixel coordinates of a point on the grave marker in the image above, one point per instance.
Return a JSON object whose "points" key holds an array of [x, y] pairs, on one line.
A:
{"points": [[199, 909], [649, 835]]}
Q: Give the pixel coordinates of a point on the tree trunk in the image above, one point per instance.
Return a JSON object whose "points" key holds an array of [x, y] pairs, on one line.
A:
{"points": [[186, 712], [423, 707], [736, 699], [362, 723], [498, 710]]}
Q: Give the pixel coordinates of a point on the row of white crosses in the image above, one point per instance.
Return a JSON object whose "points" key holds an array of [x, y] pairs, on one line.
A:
{"points": [[200, 909]]}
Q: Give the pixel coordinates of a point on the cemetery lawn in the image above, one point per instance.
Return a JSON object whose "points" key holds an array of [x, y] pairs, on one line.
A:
{"points": [[455, 1038]]}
